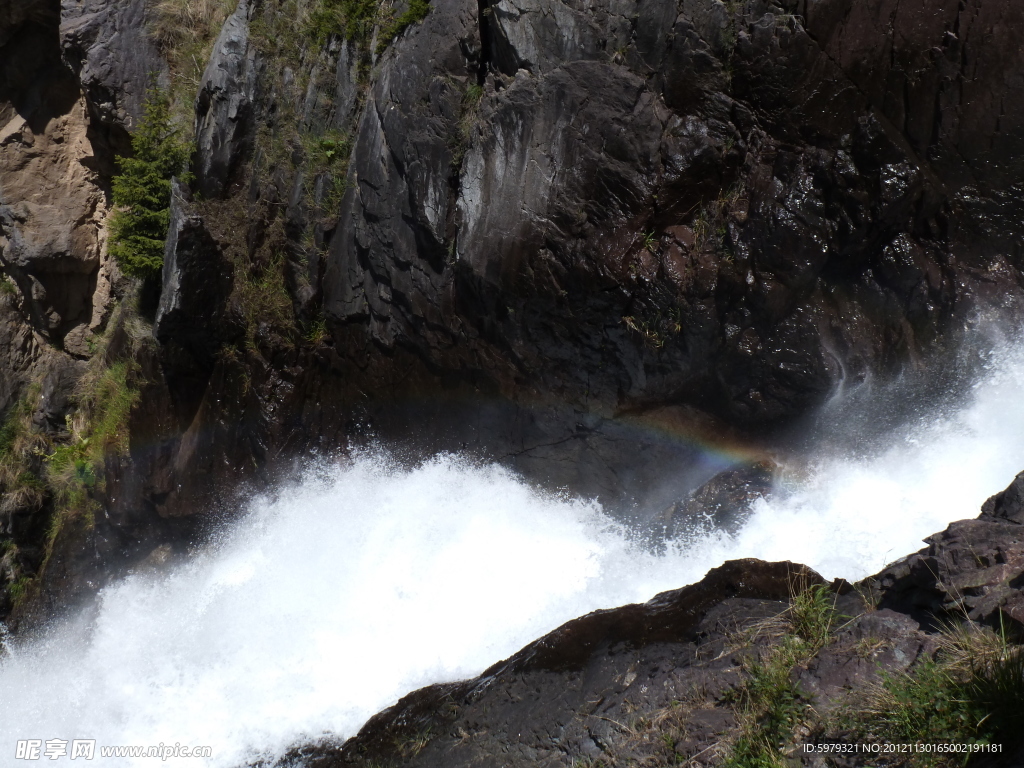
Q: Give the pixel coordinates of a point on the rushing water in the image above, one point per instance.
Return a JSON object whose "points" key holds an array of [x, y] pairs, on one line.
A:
{"points": [[364, 581]]}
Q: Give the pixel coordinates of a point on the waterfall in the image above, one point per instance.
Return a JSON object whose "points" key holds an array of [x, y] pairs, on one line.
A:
{"points": [[363, 580]]}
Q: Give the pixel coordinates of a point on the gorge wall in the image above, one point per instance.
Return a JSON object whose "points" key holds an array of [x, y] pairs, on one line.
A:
{"points": [[532, 231]]}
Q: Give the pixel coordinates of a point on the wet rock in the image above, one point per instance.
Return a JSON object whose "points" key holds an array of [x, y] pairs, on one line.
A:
{"points": [[974, 569], [716, 211], [722, 503]]}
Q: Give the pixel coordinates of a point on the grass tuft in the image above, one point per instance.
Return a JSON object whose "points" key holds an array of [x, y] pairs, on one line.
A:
{"points": [[812, 615], [970, 692], [770, 705]]}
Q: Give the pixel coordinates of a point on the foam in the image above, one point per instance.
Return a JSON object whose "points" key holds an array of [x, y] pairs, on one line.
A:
{"points": [[364, 581]]}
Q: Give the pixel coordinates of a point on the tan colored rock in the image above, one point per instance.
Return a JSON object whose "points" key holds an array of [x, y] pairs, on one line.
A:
{"points": [[52, 219]]}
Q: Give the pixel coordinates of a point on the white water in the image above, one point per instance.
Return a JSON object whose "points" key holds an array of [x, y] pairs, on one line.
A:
{"points": [[364, 582]]}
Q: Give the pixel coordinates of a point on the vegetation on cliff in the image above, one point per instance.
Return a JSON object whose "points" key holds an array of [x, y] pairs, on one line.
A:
{"points": [[356, 20], [142, 190], [51, 476]]}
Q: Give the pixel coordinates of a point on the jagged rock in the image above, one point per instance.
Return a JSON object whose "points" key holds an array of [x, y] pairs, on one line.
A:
{"points": [[191, 320], [225, 124], [111, 49], [974, 569], [347, 89], [196, 282], [1008, 504], [532, 239]]}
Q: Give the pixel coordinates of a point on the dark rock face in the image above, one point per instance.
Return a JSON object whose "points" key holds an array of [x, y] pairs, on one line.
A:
{"points": [[224, 105], [613, 685], [192, 321], [111, 50], [734, 209], [971, 569], [564, 228]]}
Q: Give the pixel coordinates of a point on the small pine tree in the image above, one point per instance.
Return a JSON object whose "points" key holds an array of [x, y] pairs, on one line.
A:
{"points": [[142, 190]]}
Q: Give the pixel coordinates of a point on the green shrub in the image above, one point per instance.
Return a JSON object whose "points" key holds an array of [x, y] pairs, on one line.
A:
{"points": [[142, 190], [416, 12], [351, 19]]}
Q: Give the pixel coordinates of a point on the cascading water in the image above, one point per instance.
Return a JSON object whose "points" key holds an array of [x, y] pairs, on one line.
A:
{"points": [[365, 581]]}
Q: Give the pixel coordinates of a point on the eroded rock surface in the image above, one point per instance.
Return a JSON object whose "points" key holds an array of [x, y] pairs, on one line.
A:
{"points": [[110, 48], [728, 206]]}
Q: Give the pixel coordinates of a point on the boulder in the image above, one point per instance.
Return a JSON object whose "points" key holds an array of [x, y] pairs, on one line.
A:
{"points": [[722, 503]]}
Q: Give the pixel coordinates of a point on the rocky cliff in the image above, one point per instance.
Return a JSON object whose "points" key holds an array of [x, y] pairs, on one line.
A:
{"points": [[533, 231], [742, 669]]}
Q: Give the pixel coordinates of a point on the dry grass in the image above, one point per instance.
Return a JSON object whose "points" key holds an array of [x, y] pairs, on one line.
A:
{"points": [[970, 692], [969, 646], [176, 24], [184, 31], [20, 443]]}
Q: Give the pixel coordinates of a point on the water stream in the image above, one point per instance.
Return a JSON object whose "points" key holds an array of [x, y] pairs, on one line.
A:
{"points": [[363, 581]]}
